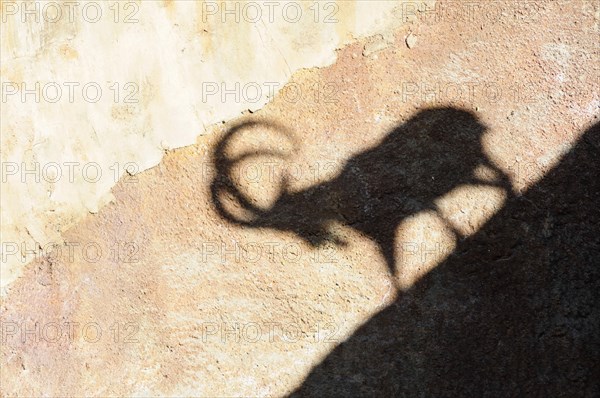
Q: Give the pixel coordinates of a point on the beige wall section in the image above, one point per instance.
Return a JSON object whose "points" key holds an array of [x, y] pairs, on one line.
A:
{"points": [[158, 65]]}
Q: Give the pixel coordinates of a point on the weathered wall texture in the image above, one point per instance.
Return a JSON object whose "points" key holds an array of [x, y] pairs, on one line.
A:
{"points": [[106, 87], [442, 146]]}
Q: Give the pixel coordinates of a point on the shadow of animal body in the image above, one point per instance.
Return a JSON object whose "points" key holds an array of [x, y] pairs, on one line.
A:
{"points": [[434, 152], [512, 312]]}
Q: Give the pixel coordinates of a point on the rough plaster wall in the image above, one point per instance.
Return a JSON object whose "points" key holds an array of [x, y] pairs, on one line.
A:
{"points": [[176, 289], [164, 57]]}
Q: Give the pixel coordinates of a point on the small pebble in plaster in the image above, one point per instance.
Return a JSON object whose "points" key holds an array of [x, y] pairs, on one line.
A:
{"points": [[411, 40]]}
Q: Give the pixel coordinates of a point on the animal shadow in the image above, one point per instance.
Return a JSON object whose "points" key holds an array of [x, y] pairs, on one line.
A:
{"points": [[431, 154], [511, 312]]}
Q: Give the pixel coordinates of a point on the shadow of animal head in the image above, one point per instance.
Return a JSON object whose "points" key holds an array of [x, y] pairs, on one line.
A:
{"points": [[434, 152]]}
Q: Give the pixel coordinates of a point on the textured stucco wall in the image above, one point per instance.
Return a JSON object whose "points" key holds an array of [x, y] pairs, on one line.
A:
{"points": [[495, 285], [91, 89]]}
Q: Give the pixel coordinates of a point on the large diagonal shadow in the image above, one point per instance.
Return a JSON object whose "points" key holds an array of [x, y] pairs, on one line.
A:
{"points": [[511, 312]]}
